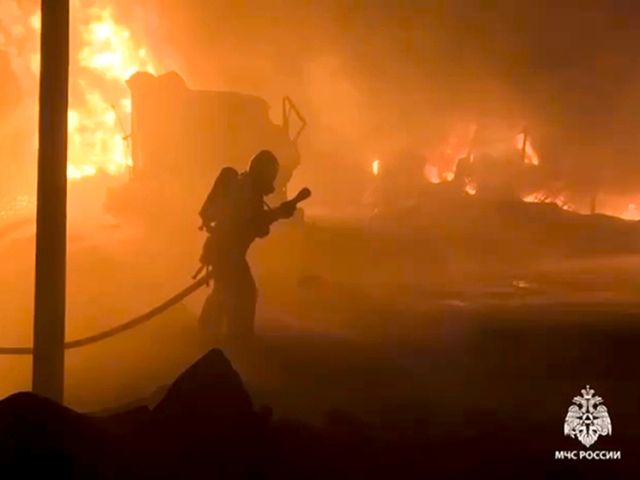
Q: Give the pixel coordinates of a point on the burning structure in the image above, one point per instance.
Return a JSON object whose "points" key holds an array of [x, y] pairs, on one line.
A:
{"points": [[124, 121], [474, 307], [499, 171], [181, 138]]}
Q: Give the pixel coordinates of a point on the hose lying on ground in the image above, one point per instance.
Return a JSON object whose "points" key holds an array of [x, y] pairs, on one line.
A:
{"points": [[123, 327]]}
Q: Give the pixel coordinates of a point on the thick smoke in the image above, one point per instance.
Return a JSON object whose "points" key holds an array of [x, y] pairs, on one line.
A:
{"points": [[371, 78], [377, 76]]}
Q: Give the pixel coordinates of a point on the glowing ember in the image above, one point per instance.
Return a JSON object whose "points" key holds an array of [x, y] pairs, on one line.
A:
{"points": [[375, 167], [544, 197], [471, 188], [434, 175], [536, 197], [631, 213], [431, 173]]}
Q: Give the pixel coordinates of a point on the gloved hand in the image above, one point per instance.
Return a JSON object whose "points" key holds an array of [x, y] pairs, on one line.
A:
{"points": [[287, 209]]}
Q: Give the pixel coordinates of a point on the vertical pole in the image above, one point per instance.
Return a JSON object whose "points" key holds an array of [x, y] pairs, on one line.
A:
{"points": [[51, 219]]}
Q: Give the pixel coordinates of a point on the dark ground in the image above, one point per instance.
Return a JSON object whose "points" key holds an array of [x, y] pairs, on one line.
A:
{"points": [[401, 359]]}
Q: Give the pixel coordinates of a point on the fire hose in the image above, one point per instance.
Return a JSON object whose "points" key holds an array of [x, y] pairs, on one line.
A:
{"points": [[123, 327], [302, 195]]}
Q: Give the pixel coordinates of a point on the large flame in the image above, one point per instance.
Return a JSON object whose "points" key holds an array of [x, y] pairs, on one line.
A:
{"points": [[103, 55], [459, 144], [442, 162], [97, 135]]}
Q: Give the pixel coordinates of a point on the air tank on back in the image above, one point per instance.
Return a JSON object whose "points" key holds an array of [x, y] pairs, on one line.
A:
{"points": [[181, 138]]}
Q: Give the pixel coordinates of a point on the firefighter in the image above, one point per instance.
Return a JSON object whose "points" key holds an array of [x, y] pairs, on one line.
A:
{"points": [[243, 218]]}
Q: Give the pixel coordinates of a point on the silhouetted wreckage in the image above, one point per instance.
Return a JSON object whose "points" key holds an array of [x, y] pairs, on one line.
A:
{"points": [[205, 422], [181, 138], [205, 425], [493, 211]]}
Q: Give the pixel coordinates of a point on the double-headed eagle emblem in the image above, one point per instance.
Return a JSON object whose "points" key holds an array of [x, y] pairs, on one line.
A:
{"points": [[587, 419]]}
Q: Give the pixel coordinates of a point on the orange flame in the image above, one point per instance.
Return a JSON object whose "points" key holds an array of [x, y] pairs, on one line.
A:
{"points": [[530, 155], [631, 213], [543, 197], [471, 188], [104, 55], [96, 134], [434, 175], [375, 167]]}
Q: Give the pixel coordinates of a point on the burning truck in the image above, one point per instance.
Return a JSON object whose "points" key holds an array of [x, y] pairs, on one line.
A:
{"points": [[453, 175], [498, 197], [180, 139]]}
